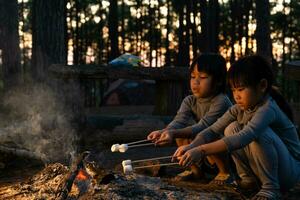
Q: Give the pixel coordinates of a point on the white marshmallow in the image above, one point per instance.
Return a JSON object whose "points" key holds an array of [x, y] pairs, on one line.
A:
{"points": [[127, 169], [115, 148], [123, 148], [126, 162]]}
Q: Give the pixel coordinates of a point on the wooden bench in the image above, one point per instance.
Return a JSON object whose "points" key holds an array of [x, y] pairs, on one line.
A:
{"points": [[292, 72], [171, 82]]}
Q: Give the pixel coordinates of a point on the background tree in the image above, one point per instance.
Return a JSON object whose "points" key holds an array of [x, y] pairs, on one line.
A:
{"points": [[162, 32], [48, 36], [9, 43], [213, 25], [113, 29], [262, 33]]}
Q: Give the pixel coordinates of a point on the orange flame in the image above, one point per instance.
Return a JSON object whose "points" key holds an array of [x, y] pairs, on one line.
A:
{"points": [[82, 175]]}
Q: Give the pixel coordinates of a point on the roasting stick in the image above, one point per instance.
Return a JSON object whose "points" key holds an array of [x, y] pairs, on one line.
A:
{"points": [[156, 165], [129, 162], [140, 145], [128, 168], [139, 141], [150, 159]]}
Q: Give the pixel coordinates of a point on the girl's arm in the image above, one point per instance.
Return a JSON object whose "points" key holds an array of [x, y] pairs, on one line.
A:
{"points": [[217, 109], [214, 147], [256, 126], [211, 133], [168, 136], [206, 135], [260, 121], [216, 130], [182, 133], [196, 154], [220, 105], [184, 114]]}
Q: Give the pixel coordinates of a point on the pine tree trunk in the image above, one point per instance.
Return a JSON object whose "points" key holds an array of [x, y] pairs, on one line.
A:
{"points": [[240, 27], [113, 29], [248, 7], [122, 25], [150, 22], [48, 34], [213, 22], [233, 6], [194, 29], [100, 37], [180, 56], [262, 34], [22, 38], [167, 42], [285, 26], [188, 27], [76, 37], [137, 27], [11, 57], [204, 44]]}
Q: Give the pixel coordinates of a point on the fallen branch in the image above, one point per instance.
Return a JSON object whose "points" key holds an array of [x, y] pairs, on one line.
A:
{"points": [[21, 152]]}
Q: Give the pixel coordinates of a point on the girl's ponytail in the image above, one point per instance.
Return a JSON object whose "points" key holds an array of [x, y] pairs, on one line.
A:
{"points": [[282, 103]]}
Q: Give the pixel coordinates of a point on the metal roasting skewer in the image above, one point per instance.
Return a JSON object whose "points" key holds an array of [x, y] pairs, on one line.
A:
{"points": [[127, 164], [150, 159], [139, 141], [141, 145], [157, 165]]}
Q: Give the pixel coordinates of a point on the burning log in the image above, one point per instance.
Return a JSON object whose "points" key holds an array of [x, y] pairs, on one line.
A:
{"points": [[77, 166], [84, 177]]}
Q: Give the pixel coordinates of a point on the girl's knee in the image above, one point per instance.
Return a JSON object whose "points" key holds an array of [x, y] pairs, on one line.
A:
{"points": [[232, 128], [268, 136]]}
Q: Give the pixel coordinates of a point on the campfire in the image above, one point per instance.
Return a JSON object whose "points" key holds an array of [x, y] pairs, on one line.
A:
{"points": [[88, 178], [100, 175], [40, 132], [57, 181]]}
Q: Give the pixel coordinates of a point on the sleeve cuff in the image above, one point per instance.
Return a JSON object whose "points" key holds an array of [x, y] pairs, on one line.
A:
{"points": [[229, 143], [195, 130]]}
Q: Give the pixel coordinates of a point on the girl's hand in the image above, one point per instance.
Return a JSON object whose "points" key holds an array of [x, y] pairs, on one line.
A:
{"points": [[154, 136], [165, 138], [180, 151], [192, 156]]}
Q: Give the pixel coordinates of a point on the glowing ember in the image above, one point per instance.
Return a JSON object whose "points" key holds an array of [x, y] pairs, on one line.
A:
{"points": [[82, 175]]}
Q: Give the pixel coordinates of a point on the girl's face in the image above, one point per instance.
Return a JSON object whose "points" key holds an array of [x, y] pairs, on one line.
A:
{"points": [[249, 97], [201, 84]]}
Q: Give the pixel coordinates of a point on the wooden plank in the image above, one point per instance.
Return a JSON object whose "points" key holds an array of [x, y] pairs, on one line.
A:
{"points": [[134, 73], [169, 95]]}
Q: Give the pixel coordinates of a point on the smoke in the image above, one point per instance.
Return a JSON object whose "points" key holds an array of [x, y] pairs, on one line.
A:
{"points": [[38, 122]]}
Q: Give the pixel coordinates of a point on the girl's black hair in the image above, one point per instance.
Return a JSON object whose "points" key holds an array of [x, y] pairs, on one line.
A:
{"points": [[249, 71], [214, 65]]}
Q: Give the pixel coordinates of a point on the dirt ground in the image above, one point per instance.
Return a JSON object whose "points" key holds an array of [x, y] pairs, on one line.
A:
{"points": [[19, 171]]}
